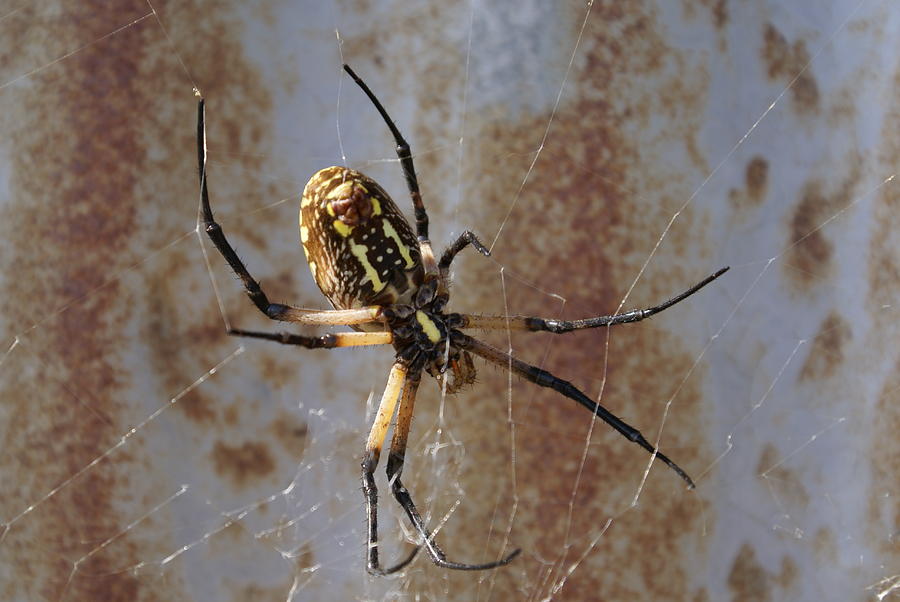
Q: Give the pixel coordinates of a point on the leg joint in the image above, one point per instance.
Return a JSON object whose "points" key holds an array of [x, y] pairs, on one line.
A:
{"points": [[370, 462]]}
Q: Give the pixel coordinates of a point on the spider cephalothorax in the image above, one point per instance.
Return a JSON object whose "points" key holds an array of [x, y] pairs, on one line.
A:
{"points": [[426, 337], [383, 280]]}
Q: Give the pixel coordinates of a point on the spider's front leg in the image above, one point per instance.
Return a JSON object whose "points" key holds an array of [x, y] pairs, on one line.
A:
{"points": [[274, 311], [465, 239], [429, 263], [535, 324]]}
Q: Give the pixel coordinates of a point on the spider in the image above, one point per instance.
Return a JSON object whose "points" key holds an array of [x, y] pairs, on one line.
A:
{"points": [[384, 281]]}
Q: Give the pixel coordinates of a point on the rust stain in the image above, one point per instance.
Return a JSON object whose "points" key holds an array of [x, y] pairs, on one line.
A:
{"points": [[757, 178], [883, 509], [812, 251], [718, 9], [883, 261], [786, 61], [756, 185], [68, 190], [243, 464], [883, 275], [292, 433], [785, 482], [749, 580], [825, 546], [809, 250], [81, 183], [826, 354]]}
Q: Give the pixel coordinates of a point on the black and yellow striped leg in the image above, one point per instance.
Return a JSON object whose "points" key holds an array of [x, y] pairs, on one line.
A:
{"points": [[465, 239], [534, 324], [395, 468], [412, 183], [395, 385], [403, 153], [328, 341], [546, 379]]}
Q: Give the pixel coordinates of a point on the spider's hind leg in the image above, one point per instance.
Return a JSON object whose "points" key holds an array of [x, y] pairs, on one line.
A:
{"points": [[395, 384], [395, 468]]}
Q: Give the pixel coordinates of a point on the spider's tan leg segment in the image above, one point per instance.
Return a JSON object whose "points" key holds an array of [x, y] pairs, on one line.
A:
{"points": [[412, 182], [466, 238], [331, 317], [560, 326], [275, 311], [546, 379], [396, 380], [395, 468], [328, 341]]}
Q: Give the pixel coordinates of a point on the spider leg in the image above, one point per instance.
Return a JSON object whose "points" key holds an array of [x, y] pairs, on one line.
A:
{"points": [[546, 379], [275, 311], [466, 238], [412, 183], [395, 468], [392, 391], [328, 341], [560, 326]]}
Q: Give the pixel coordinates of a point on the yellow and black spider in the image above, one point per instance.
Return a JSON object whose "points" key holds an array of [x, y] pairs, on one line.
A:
{"points": [[385, 282]]}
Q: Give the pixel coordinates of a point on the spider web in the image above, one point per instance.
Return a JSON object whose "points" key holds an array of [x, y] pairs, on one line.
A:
{"points": [[611, 157]]}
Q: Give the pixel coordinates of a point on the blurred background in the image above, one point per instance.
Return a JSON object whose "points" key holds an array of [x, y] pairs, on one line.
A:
{"points": [[609, 156]]}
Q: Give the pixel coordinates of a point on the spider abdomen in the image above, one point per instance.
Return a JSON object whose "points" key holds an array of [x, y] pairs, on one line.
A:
{"points": [[360, 248]]}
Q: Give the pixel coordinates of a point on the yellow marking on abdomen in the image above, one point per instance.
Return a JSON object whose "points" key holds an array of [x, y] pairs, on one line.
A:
{"points": [[391, 233], [359, 251], [342, 228], [428, 326], [304, 234]]}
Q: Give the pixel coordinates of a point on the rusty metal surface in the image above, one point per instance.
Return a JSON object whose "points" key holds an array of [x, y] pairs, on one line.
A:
{"points": [[148, 456]]}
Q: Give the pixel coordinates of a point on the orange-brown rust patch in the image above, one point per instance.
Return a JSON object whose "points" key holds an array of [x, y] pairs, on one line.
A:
{"points": [[292, 433], [756, 178], [826, 354], [242, 464], [825, 546], [786, 484], [785, 62], [748, 579], [198, 408], [810, 250], [883, 504], [751, 582], [68, 222], [883, 507], [789, 574], [718, 9], [756, 184], [884, 262]]}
